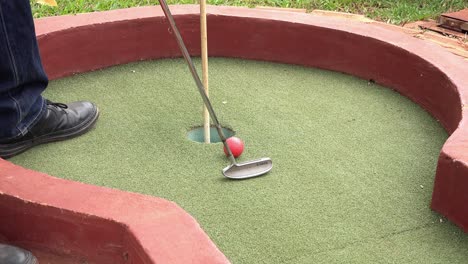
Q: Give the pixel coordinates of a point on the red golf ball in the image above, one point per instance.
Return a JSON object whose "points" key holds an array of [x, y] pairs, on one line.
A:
{"points": [[236, 145]]}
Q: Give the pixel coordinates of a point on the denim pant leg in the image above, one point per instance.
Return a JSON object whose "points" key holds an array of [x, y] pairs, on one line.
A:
{"points": [[22, 77]]}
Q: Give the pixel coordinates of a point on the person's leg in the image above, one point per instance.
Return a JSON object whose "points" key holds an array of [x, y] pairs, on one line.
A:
{"points": [[26, 118], [22, 78]]}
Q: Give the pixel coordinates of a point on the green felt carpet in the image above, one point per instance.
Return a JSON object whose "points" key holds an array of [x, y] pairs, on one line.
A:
{"points": [[354, 162]]}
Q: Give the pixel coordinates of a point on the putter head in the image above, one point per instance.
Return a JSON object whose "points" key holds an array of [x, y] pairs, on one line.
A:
{"points": [[248, 169]]}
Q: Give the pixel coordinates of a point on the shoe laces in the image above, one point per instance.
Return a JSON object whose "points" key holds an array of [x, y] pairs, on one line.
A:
{"points": [[59, 105]]}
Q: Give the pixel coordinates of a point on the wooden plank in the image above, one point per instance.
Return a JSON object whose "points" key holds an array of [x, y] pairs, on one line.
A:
{"points": [[457, 21], [434, 26], [460, 15], [453, 24]]}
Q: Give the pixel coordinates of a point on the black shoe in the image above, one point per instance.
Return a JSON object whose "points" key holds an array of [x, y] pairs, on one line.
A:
{"points": [[59, 122], [13, 255]]}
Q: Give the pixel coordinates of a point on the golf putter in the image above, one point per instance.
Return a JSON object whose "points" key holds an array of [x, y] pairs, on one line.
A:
{"points": [[236, 170]]}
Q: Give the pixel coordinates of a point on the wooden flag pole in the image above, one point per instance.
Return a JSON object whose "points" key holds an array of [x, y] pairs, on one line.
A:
{"points": [[204, 57]]}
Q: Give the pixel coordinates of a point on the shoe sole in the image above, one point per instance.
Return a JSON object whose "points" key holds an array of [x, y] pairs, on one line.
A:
{"points": [[9, 150]]}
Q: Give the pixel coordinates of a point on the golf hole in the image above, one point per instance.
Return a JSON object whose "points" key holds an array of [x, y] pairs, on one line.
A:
{"points": [[197, 134]]}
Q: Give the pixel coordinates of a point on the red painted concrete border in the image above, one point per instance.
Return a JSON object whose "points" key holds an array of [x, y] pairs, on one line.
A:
{"points": [[149, 230], [98, 224]]}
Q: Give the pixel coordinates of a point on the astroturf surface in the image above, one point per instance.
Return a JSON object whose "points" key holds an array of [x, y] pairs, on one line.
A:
{"points": [[354, 162]]}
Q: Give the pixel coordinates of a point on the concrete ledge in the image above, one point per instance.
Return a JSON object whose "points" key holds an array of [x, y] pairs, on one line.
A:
{"points": [[343, 15], [96, 224], [297, 10], [69, 216]]}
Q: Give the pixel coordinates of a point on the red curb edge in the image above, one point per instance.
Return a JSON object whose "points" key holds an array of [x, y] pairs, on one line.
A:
{"points": [[111, 226], [99, 224]]}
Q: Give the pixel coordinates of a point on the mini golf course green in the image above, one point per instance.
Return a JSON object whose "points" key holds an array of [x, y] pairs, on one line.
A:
{"points": [[354, 162]]}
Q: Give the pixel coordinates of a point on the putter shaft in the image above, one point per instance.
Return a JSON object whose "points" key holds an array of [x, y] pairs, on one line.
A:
{"points": [[195, 76], [235, 170]]}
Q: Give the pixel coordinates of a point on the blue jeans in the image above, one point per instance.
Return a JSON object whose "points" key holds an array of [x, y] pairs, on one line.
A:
{"points": [[22, 77]]}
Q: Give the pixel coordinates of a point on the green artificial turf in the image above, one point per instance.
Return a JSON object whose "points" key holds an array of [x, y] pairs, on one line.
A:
{"points": [[354, 162]]}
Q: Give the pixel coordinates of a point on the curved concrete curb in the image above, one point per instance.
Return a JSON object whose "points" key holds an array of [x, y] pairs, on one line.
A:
{"points": [[96, 224], [150, 230]]}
